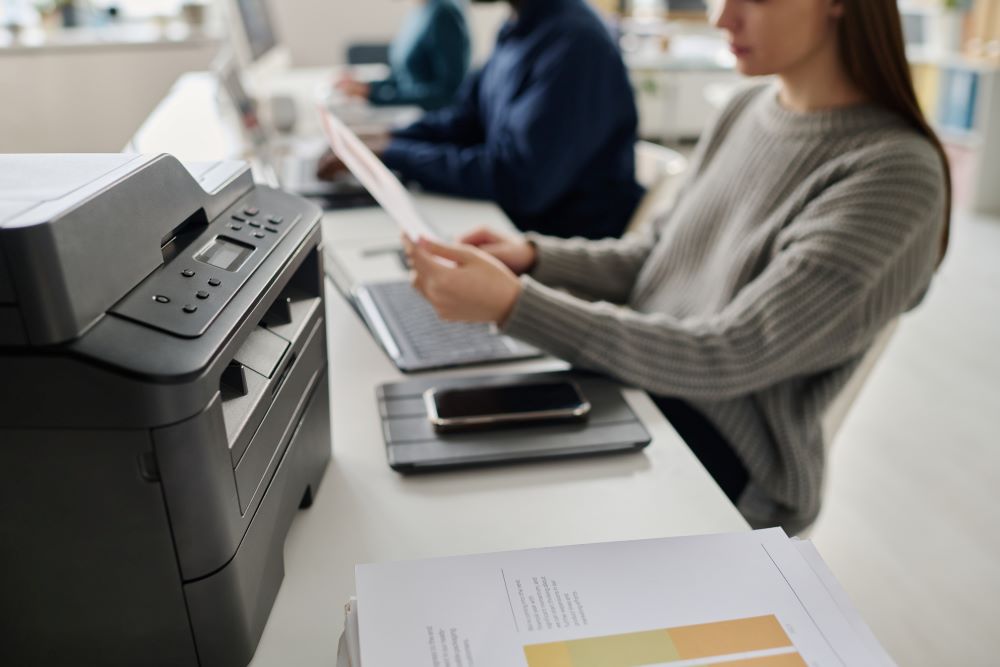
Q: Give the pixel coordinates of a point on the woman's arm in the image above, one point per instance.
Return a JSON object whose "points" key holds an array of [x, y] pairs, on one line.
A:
{"points": [[815, 305], [794, 319], [605, 269]]}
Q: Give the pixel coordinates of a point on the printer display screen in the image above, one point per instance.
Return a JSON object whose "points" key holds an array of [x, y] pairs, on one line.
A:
{"points": [[225, 253]]}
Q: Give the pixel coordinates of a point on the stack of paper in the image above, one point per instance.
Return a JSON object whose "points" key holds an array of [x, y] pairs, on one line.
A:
{"points": [[749, 599]]}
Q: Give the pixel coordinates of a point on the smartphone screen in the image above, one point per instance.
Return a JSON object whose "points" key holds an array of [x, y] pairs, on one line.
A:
{"points": [[505, 403]]}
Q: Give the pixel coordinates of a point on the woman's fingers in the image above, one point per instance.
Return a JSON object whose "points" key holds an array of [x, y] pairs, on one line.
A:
{"points": [[456, 253], [481, 236], [423, 262]]}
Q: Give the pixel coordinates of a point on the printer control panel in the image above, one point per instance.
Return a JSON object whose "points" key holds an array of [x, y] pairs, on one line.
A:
{"points": [[185, 295]]}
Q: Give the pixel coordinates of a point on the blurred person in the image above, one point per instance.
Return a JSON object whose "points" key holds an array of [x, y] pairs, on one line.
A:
{"points": [[546, 129], [428, 59]]}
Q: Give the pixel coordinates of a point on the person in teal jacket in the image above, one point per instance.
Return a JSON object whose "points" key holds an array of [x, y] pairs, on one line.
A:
{"points": [[429, 59]]}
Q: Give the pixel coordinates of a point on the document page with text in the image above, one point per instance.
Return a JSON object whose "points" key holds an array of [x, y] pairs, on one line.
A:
{"points": [[735, 599]]}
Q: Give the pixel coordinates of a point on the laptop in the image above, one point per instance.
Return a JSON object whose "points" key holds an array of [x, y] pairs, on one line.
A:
{"points": [[416, 339], [399, 317], [294, 171]]}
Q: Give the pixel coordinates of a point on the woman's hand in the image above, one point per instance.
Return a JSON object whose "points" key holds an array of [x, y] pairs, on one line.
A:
{"points": [[462, 283], [519, 255]]}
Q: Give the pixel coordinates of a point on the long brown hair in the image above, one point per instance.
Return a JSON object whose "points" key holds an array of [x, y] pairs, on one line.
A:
{"points": [[874, 54]]}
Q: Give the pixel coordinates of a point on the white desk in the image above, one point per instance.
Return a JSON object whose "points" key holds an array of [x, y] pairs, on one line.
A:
{"points": [[197, 121], [366, 512]]}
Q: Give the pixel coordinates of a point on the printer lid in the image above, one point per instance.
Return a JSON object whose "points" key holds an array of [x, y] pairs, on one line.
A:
{"points": [[35, 187], [79, 231]]}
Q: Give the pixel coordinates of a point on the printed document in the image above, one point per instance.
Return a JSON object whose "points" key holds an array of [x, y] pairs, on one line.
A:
{"points": [[747, 599], [381, 183]]}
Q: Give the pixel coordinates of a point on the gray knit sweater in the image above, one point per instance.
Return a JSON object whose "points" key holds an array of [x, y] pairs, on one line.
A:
{"points": [[795, 240]]}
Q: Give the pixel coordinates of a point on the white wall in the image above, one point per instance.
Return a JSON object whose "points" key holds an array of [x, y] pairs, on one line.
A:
{"points": [[87, 100], [93, 99], [317, 32]]}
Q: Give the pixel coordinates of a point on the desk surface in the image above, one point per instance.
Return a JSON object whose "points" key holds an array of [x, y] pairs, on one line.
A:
{"points": [[366, 512]]}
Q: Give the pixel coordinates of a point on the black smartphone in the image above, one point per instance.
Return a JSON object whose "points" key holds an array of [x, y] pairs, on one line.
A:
{"points": [[478, 407]]}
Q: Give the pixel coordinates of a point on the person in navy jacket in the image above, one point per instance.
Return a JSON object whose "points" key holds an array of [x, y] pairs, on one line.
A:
{"points": [[546, 129]]}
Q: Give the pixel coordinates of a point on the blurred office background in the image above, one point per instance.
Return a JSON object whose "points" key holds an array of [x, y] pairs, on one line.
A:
{"points": [[909, 524]]}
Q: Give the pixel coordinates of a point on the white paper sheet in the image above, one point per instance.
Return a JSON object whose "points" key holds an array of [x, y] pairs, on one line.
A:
{"points": [[626, 599], [348, 651], [864, 633], [381, 183]]}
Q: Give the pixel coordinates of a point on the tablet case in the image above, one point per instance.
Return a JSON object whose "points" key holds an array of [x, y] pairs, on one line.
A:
{"points": [[413, 445]]}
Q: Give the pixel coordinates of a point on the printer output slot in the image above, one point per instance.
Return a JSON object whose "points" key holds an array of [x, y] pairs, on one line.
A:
{"points": [[183, 235], [266, 359]]}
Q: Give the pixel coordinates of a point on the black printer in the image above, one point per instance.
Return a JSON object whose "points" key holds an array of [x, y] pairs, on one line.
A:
{"points": [[164, 408]]}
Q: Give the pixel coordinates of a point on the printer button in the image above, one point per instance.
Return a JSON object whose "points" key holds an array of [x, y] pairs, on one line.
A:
{"points": [[187, 273], [201, 294], [236, 228], [251, 211], [258, 235], [214, 282], [238, 218], [256, 225], [159, 298], [189, 308], [273, 230], [275, 219]]}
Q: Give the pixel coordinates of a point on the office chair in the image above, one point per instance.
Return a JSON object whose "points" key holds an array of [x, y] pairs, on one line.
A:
{"points": [[838, 410], [836, 413]]}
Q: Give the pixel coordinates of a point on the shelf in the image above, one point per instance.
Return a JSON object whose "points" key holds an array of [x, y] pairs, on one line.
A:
{"points": [[36, 40], [918, 55]]}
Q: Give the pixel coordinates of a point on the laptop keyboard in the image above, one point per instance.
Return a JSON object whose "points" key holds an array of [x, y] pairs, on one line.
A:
{"points": [[435, 340]]}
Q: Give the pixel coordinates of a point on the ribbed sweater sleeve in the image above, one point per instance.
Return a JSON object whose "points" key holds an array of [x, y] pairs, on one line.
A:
{"points": [[605, 269], [853, 258]]}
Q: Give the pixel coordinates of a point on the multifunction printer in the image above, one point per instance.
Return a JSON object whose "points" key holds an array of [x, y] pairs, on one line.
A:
{"points": [[164, 407]]}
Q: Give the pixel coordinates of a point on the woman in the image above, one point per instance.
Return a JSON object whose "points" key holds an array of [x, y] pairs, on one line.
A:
{"points": [[815, 213], [429, 59]]}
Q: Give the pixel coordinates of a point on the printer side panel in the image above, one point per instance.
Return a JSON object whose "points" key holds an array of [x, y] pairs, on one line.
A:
{"points": [[12, 331], [87, 558], [229, 608], [234, 474]]}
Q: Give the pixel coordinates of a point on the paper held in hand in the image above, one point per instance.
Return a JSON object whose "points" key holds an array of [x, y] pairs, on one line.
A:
{"points": [[381, 183]]}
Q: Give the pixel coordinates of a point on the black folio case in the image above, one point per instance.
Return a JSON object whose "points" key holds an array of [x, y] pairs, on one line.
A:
{"points": [[413, 445]]}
